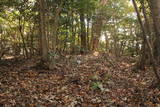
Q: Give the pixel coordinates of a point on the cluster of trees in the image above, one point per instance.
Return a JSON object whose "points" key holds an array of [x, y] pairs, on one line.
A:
{"points": [[149, 24], [31, 27]]}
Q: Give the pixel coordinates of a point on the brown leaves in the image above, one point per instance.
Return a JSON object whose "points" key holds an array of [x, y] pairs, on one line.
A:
{"points": [[69, 85]]}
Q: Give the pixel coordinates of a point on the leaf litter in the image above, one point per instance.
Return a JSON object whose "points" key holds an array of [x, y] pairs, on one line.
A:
{"points": [[99, 81]]}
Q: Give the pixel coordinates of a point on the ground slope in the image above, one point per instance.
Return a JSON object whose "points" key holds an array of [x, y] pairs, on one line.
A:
{"points": [[78, 81]]}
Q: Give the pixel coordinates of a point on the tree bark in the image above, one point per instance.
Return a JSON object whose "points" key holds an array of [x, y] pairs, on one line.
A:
{"points": [[155, 12], [88, 33], [42, 31], [55, 25], [21, 30], [97, 26], [83, 33], [147, 42]]}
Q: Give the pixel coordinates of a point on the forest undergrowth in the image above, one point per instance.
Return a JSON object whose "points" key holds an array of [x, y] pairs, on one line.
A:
{"points": [[77, 81]]}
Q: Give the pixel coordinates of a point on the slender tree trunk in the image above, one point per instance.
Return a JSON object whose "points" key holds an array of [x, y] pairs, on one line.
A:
{"points": [[148, 44], [31, 44], [97, 26], [148, 30], [21, 30], [142, 61], [55, 25], [107, 42], [44, 45], [83, 33], [73, 30], [88, 33], [96, 33]]}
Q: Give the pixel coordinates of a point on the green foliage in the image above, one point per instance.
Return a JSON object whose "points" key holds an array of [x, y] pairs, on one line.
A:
{"points": [[97, 85], [87, 6], [118, 16]]}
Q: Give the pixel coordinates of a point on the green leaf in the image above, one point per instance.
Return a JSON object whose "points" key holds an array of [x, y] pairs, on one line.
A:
{"points": [[97, 85]]}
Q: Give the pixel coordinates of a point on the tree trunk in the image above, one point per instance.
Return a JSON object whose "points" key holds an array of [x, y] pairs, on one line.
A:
{"points": [[97, 26], [155, 11], [147, 28], [73, 30], [83, 33], [142, 61], [21, 30], [42, 30], [55, 25], [88, 33], [147, 42], [107, 42], [96, 32]]}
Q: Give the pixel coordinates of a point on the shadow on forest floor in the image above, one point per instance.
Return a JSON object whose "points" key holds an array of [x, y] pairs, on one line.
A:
{"points": [[94, 81]]}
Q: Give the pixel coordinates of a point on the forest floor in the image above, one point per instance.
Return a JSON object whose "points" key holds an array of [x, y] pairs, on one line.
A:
{"points": [[81, 81]]}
